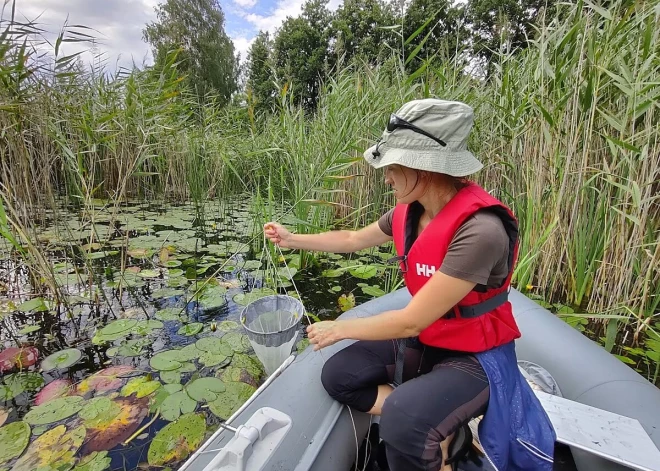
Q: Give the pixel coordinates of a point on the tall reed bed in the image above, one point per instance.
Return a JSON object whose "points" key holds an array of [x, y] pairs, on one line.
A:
{"points": [[568, 131]]}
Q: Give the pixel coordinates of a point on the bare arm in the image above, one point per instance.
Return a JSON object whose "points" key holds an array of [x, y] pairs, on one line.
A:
{"points": [[333, 241], [434, 300]]}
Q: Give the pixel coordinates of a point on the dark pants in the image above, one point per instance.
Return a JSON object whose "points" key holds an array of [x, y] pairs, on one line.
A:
{"points": [[442, 390]]}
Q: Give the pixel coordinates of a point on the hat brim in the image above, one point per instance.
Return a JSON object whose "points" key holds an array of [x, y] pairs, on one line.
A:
{"points": [[455, 163]]}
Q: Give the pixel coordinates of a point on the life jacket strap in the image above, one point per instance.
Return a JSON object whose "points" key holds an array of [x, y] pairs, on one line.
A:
{"points": [[476, 310]]}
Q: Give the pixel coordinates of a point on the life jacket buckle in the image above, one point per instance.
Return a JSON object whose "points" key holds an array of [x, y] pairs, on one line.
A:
{"points": [[402, 260]]}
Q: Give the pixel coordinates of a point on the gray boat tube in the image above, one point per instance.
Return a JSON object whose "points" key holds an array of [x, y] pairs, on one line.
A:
{"points": [[325, 435]]}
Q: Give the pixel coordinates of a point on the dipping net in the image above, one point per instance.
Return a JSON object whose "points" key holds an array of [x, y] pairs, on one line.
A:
{"points": [[272, 324]]}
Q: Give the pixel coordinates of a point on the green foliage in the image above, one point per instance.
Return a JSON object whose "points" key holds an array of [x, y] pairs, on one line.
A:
{"points": [[196, 29], [260, 83]]}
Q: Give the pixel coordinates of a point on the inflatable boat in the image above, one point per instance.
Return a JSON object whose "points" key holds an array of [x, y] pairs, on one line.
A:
{"points": [[291, 424]]}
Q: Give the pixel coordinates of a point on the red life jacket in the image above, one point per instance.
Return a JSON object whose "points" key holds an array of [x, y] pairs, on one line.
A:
{"points": [[483, 319]]}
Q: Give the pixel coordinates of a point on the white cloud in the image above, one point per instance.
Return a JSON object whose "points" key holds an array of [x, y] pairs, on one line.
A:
{"points": [[242, 46], [274, 20], [245, 3]]}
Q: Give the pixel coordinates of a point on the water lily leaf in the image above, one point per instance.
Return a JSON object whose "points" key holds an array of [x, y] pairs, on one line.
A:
{"points": [[131, 348], [177, 282], [18, 383], [213, 297], [231, 399], [176, 404], [20, 358], [247, 298], [140, 252], [170, 314], [111, 431], [346, 302], [177, 440], [141, 387], [332, 273], [174, 273], [28, 329], [4, 415], [238, 342], [226, 326], [99, 412], [149, 274], [36, 304], [105, 380], [236, 375], [95, 461], [214, 345], [373, 291], [286, 273], [54, 410], [364, 272], [61, 360], [14, 438], [191, 329], [166, 360], [252, 365], [252, 265], [54, 450], [120, 326], [53, 390], [189, 353], [172, 263], [170, 377], [100, 255], [147, 326], [205, 389], [214, 359]]}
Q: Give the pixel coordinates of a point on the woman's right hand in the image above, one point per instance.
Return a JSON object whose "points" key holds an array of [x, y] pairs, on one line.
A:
{"points": [[278, 234]]}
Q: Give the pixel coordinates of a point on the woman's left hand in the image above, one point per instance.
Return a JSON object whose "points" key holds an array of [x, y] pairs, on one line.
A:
{"points": [[323, 334]]}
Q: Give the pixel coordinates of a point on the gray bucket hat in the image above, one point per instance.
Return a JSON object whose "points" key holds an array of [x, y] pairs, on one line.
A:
{"points": [[416, 133]]}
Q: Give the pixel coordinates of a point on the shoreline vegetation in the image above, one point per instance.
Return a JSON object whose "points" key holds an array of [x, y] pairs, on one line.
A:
{"points": [[568, 129]]}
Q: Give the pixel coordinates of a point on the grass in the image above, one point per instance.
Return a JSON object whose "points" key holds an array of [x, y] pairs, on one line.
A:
{"points": [[568, 131]]}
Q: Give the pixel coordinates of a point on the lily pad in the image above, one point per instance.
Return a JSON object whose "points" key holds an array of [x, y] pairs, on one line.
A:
{"points": [[20, 358], [231, 399], [236, 375], [238, 342], [105, 380], [213, 297], [249, 363], [191, 329], [36, 304], [61, 360], [4, 414], [170, 314], [148, 326], [111, 431], [149, 274], [141, 387], [252, 264], [18, 383], [167, 360], [213, 344], [98, 412], [14, 438], [28, 329], [167, 293], [189, 353], [332, 273], [177, 440], [176, 404], [364, 272], [130, 348], [244, 299], [205, 389], [54, 411], [172, 263], [120, 326], [95, 461], [373, 291], [227, 326], [55, 449]]}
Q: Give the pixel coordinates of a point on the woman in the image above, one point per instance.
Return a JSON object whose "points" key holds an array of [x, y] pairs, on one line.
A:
{"points": [[448, 356]]}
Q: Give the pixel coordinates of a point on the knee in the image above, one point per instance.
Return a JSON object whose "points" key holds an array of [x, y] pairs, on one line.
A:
{"points": [[334, 378]]}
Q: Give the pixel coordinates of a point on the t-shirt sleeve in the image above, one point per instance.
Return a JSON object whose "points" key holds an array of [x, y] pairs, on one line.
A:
{"points": [[479, 246], [385, 222]]}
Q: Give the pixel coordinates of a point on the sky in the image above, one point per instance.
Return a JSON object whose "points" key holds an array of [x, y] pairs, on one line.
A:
{"points": [[118, 24]]}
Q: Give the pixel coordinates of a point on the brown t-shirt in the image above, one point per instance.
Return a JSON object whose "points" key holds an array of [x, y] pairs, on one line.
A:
{"points": [[479, 251]]}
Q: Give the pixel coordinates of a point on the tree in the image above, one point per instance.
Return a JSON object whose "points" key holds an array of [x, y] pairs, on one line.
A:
{"points": [[509, 22], [445, 33], [359, 28], [260, 73], [301, 50], [196, 27]]}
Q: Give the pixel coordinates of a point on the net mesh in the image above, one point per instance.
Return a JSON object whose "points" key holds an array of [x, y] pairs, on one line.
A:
{"points": [[272, 324]]}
